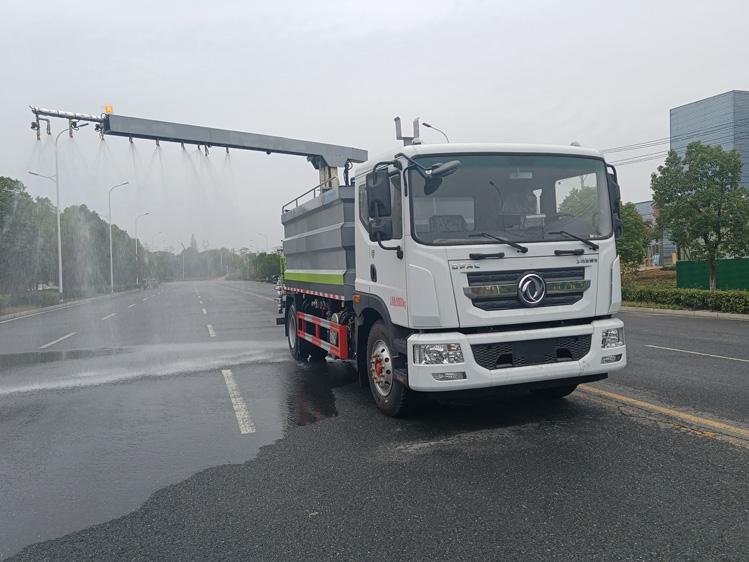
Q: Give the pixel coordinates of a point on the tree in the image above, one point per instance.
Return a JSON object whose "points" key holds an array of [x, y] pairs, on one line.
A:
{"points": [[26, 237], [581, 202], [632, 247], [700, 204]]}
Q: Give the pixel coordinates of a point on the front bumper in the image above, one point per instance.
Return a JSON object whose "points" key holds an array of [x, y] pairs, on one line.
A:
{"points": [[422, 377]]}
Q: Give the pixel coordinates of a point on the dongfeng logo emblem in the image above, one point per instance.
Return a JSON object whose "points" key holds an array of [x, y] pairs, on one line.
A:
{"points": [[531, 289]]}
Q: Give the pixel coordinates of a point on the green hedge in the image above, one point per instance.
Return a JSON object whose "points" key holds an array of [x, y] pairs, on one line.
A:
{"points": [[697, 299], [34, 298]]}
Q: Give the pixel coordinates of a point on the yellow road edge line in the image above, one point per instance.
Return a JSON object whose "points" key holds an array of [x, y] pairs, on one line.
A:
{"points": [[668, 411]]}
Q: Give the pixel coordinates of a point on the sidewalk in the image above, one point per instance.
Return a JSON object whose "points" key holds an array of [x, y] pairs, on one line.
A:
{"points": [[693, 313]]}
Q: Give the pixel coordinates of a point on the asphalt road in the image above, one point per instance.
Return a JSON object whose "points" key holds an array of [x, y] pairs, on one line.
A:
{"points": [[178, 428]]}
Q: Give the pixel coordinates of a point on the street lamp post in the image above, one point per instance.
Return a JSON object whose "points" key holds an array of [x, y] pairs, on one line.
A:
{"points": [[111, 257], [266, 241], [56, 179], [184, 251], [152, 239], [428, 126], [137, 269]]}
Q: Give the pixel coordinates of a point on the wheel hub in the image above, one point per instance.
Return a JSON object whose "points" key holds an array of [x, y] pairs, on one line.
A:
{"points": [[381, 368]]}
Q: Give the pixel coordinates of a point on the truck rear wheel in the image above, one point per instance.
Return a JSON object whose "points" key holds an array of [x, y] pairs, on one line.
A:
{"points": [[299, 348], [391, 396]]}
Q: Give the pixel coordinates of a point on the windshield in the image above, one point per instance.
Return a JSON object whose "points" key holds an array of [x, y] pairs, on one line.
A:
{"points": [[520, 197]]}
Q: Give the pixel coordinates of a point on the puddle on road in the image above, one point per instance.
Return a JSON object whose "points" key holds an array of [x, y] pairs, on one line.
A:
{"points": [[12, 360], [310, 395]]}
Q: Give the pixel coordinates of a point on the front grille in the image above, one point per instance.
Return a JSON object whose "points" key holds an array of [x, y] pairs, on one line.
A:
{"points": [[508, 280], [535, 352]]}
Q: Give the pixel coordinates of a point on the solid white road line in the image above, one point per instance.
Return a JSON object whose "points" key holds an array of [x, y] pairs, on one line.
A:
{"points": [[698, 353], [113, 314], [204, 312], [57, 341], [240, 408], [211, 332], [132, 305]]}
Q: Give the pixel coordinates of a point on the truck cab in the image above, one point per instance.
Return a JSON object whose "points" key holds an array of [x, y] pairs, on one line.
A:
{"points": [[484, 265]]}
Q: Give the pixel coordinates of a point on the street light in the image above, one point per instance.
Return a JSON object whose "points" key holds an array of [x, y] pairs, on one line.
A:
{"points": [[266, 241], [184, 251], [428, 126], [154, 236], [56, 178], [137, 269], [111, 257]]}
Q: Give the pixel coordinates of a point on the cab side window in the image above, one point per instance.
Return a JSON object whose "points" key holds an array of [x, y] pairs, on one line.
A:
{"points": [[363, 212], [396, 200]]}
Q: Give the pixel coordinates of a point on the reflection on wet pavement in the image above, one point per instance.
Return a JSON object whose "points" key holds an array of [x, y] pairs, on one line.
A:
{"points": [[310, 395], [36, 357]]}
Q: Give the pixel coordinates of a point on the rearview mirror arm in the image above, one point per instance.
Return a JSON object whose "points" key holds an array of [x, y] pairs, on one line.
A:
{"points": [[398, 250]]}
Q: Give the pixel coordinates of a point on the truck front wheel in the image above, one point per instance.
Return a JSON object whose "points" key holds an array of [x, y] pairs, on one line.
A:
{"points": [[299, 348], [391, 396]]}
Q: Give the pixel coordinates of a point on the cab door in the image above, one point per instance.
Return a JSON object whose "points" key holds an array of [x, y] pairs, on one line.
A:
{"points": [[387, 269]]}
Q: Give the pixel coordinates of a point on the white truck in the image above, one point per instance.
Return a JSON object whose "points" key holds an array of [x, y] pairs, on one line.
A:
{"points": [[460, 268]]}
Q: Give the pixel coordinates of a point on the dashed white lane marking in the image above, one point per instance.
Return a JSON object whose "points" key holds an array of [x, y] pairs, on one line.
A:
{"points": [[204, 312], [58, 340], [201, 302], [132, 305], [145, 299], [698, 353], [211, 332], [240, 408], [113, 314]]}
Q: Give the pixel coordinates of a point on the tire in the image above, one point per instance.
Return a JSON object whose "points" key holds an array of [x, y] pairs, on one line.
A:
{"points": [[299, 348], [554, 392], [391, 396]]}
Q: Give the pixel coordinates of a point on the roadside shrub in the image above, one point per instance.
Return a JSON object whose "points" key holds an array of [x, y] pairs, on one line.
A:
{"points": [[736, 302], [35, 298], [4, 303]]}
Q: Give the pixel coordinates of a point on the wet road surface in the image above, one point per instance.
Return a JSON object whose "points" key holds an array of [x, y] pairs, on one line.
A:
{"points": [[126, 443]]}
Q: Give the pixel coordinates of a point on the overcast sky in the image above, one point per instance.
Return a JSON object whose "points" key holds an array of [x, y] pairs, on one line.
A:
{"points": [[338, 72]]}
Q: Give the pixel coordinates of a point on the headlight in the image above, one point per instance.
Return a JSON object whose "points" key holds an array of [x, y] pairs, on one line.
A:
{"points": [[438, 354], [613, 337]]}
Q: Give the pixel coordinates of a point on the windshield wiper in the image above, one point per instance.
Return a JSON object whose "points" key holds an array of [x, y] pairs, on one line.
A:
{"points": [[479, 256], [518, 247], [575, 237]]}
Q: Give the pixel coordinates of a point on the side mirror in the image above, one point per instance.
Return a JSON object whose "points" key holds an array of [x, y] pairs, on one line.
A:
{"points": [[442, 170], [618, 228], [615, 199], [378, 193], [433, 177], [431, 185], [380, 229]]}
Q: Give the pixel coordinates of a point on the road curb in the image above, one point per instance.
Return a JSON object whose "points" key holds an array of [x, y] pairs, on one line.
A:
{"points": [[691, 313], [61, 306]]}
